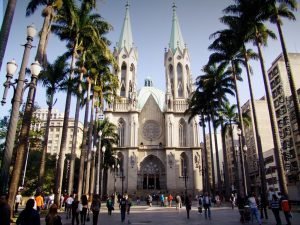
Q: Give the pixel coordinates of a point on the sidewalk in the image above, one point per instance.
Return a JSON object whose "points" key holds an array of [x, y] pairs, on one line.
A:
{"points": [[142, 214]]}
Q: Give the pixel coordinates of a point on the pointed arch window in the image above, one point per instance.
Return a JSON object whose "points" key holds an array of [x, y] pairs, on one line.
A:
{"points": [[171, 78], [180, 80], [121, 132], [183, 165], [123, 79], [182, 133]]}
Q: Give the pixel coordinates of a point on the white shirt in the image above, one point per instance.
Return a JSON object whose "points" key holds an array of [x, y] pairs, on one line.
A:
{"points": [[69, 200], [18, 198], [252, 202]]}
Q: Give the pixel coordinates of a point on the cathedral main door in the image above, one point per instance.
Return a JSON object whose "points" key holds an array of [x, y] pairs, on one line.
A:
{"points": [[151, 175]]}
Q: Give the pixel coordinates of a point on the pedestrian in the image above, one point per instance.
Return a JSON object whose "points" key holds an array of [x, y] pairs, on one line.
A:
{"points": [[129, 203], [252, 200], [18, 201], [51, 199], [150, 200], [170, 199], [275, 207], [122, 207], [286, 208], [232, 200], [188, 205], [29, 216], [95, 207], [84, 211], [4, 211], [75, 211], [263, 207], [200, 204], [61, 201], [39, 201], [68, 205], [240, 202], [52, 217], [109, 205], [207, 204], [162, 200], [178, 201]]}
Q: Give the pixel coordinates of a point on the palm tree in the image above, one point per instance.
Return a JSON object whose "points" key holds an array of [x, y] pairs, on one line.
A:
{"points": [[218, 82], [53, 79], [229, 117], [109, 139], [258, 33], [275, 14], [75, 24], [5, 28], [49, 13]]}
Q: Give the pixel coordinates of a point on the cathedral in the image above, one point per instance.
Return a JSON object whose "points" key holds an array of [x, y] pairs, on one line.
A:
{"points": [[159, 148]]}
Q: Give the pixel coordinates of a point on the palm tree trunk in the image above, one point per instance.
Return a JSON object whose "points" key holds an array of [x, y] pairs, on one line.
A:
{"points": [[257, 139], [74, 139], [289, 75], [6, 25], [89, 167], [217, 155], [61, 159], [205, 168], [22, 145], [84, 144], [275, 133], [40, 54], [63, 144], [236, 168], [212, 157], [45, 143], [226, 177]]}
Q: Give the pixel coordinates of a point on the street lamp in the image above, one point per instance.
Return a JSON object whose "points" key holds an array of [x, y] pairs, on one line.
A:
{"points": [[114, 169], [122, 178], [98, 163], [16, 102]]}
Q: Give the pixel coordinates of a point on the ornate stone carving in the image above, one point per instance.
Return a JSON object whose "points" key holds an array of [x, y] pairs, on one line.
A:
{"points": [[151, 130]]}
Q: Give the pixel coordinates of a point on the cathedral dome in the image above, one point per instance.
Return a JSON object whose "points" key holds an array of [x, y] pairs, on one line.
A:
{"points": [[145, 92]]}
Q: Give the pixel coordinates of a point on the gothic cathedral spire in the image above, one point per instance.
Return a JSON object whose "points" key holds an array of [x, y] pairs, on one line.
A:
{"points": [[177, 67], [127, 56]]}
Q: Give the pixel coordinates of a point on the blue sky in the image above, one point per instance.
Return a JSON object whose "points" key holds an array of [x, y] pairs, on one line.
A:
{"points": [[151, 27]]}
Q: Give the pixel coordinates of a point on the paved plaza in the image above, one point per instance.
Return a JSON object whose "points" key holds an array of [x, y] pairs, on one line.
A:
{"points": [[143, 215]]}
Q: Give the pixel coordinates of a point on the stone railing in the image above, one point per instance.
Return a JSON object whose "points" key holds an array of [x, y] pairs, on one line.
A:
{"points": [[180, 105]]}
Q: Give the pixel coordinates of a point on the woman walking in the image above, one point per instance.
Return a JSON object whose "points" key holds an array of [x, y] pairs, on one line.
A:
{"points": [[95, 207], [188, 205], [83, 213], [52, 217], [29, 216], [75, 211], [275, 206]]}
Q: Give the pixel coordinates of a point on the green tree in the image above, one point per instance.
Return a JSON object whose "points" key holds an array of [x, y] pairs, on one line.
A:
{"points": [[5, 28], [54, 80], [75, 24]]}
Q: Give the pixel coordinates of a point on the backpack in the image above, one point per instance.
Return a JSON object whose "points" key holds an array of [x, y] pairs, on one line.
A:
{"points": [[285, 205]]}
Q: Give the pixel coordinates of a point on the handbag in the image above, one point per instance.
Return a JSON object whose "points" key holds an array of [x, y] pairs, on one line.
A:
{"points": [[88, 216]]}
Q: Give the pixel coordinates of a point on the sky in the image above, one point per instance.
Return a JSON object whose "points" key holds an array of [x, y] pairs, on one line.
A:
{"points": [[151, 28]]}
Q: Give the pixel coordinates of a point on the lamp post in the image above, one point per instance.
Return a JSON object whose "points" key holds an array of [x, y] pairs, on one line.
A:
{"points": [[16, 102], [239, 133], [103, 154], [244, 161], [122, 178], [114, 169], [98, 163]]}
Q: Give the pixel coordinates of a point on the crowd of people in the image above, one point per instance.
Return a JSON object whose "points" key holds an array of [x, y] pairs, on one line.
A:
{"points": [[78, 210]]}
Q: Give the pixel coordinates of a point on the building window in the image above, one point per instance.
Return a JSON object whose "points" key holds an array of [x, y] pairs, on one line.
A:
{"points": [[180, 80], [123, 78], [121, 132], [183, 165], [182, 133]]}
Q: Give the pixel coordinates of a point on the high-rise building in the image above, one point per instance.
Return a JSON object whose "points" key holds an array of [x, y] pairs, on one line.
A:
{"points": [[55, 131], [158, 148], [286, 118]]}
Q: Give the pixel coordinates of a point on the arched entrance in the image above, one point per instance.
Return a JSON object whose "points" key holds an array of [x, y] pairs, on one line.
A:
{"points": [[152, 175]]}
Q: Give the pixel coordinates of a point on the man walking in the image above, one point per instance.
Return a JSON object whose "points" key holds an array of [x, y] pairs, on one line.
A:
{"points": [[207, 205], [123, 206]]}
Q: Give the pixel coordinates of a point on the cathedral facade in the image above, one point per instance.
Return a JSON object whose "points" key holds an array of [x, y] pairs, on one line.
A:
{"points": [[159, 148]]}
